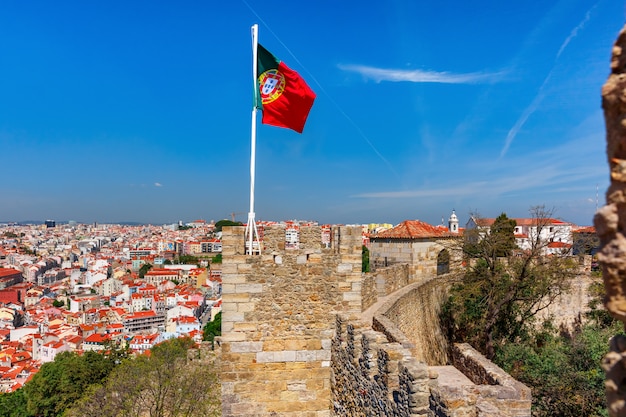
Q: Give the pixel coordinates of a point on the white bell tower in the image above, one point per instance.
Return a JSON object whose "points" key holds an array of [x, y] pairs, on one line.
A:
{"points": [[453, 223]]}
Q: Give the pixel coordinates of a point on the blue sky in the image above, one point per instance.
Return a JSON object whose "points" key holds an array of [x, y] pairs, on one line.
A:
{"points": [[140, 110]]}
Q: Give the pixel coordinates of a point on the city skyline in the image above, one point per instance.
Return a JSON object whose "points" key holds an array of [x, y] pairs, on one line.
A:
{"points": [[140, 112]]}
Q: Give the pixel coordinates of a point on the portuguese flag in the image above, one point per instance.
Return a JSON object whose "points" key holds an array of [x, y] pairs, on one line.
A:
{"points": [[282, 94]]}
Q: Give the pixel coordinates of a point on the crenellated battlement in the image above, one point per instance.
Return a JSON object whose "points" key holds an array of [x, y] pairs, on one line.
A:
{"points": [[278, 318]]}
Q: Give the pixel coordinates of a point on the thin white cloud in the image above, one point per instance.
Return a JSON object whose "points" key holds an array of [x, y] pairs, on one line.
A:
{"points": [[420, 76], [532, 180], [545, 171], [524, 117], [158, 184], [574, 31], [540, 94]]}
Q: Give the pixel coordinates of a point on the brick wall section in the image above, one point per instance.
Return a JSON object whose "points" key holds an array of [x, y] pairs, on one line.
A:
{"points": [[412, 319], [372, 377], [278, 320]]}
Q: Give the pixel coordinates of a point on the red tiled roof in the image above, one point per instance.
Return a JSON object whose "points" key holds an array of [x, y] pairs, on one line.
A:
{"points": [[140, 314], [588, 229], [96, 338], [6, 272], [559, 245], [415, 229], [522, 222]]}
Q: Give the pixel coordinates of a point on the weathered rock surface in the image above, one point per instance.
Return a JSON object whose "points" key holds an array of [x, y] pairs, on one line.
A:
{"points": [[610, 222]]}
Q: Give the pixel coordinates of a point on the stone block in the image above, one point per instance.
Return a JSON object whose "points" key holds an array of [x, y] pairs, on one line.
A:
{"points": [[227, 326], [228, 289], [265, 357], [274, 345], [234, 279], [233, 316], [248, 288], [229, 268], [237, 298], [228, 307], [296, 386], [233, 337], [323, 355], [245, 307], [246, 347], [243, 268], [285, 356], [306, 355], [352, 296]]}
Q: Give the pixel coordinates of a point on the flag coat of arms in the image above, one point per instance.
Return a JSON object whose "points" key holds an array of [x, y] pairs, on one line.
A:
{"points": [[282, 95]]}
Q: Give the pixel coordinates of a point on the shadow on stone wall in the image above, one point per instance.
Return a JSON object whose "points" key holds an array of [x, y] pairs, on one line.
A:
{"points": [[411, 318]]}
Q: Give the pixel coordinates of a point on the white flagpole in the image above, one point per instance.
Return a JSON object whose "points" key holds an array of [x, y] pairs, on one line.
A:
{"points": [[252, 234]]}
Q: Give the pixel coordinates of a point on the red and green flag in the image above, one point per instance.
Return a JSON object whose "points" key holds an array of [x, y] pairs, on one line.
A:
{"points": [[282, 94]]}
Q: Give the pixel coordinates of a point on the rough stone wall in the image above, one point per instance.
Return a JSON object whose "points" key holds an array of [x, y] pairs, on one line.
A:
{"points": [[419, 255], [412, 319], [278, 320], [499, 395], [391, 278], [372, 377], [568, 309], [382, 282], [369, 293], [610, 222]]}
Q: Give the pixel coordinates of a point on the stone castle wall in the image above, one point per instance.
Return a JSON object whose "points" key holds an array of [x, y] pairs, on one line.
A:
{"points": [[412, 319], [475, 386], [294, 342], [419, 256], [375, 377], [278, 319], [568, 309]]}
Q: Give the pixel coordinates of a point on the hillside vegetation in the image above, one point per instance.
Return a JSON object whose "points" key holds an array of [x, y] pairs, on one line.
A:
{"points": [[174, 380], [495, 308]]}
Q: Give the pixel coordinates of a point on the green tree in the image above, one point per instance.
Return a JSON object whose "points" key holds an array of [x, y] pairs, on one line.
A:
{"points": [[144, 269], [365, 259], [212, 328], [220, 224], [188, 260], [498, 297], [167, 383], [60, 383], [58, 303], [217, 259], [502, 233], [13, 404], [563, 368]]}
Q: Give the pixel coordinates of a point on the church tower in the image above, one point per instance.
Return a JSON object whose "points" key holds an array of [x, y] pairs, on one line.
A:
{"points": [[453, 223]]}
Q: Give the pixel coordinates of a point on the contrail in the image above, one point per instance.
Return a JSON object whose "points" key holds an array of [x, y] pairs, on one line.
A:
{"points": [[540, 94], [574, 31], [420, 76], [525, 115]]}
